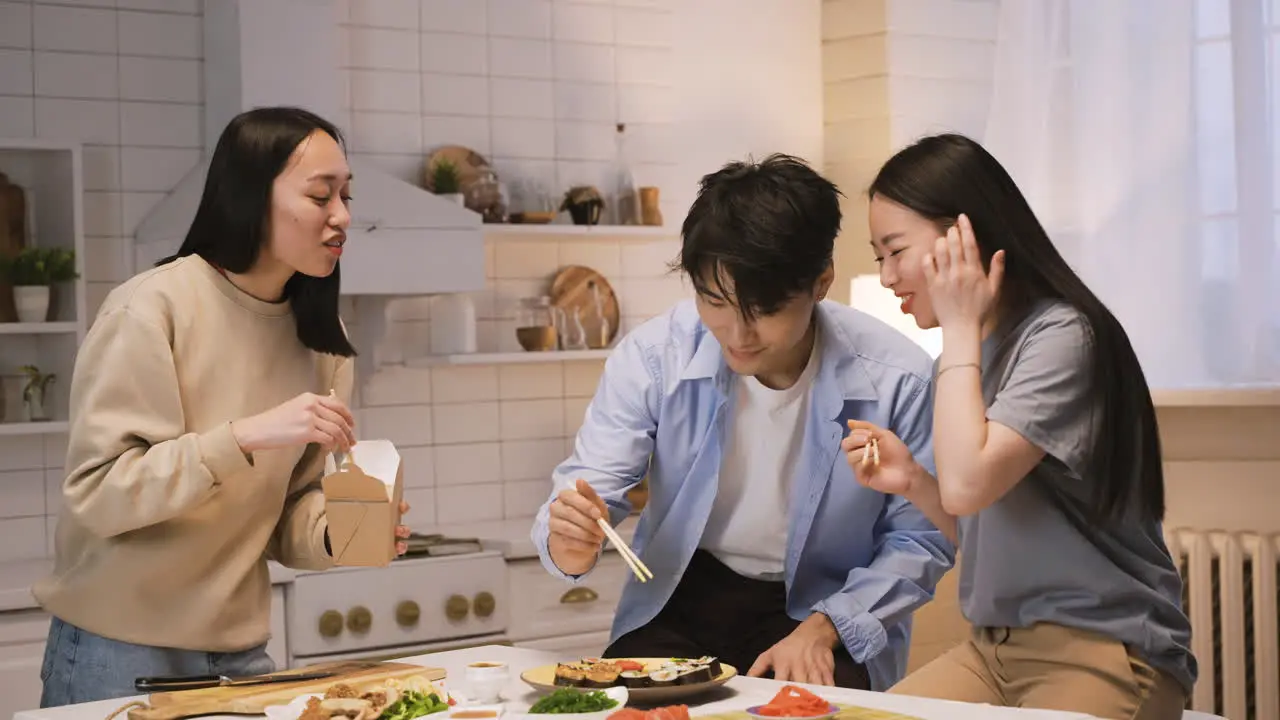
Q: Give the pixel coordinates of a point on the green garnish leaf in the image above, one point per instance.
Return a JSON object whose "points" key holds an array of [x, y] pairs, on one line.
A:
{"points": [[567, 700], [413, 704]]}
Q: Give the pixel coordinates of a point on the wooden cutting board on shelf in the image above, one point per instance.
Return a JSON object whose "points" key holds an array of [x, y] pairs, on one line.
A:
{"points": [[254, 699]]}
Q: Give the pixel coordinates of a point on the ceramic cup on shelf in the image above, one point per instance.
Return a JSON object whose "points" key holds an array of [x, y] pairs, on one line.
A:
{"points": [[485, 681]]}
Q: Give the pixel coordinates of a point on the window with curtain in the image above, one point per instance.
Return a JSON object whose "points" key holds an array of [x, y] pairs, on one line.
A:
{"points": [[1146, 133]]}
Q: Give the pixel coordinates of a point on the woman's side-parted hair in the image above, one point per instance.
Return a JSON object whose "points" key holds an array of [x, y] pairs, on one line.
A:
{"points": [[231, 224], [941, 176]]}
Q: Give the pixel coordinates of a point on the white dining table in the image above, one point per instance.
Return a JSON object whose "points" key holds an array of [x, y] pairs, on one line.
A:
{"points": [[737, 694]]}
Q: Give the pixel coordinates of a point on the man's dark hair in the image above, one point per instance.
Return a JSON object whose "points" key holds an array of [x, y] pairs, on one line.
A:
{"points": [[767, 227]]}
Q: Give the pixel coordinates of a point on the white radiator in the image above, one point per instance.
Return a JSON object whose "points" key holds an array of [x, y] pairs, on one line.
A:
{"points": [[1231, 597]]}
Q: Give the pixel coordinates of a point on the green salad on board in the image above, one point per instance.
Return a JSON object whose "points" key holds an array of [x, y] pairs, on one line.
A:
{"points": [[564, 701], [413, 704]]}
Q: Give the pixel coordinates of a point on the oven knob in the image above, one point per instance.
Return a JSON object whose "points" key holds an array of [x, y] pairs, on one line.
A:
{"points": [[330, 623], [484, 604], [456, 608], [359, 619], [407, 613]]}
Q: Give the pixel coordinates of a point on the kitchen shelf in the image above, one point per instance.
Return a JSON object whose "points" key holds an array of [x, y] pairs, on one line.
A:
{"points": [[621, 232], [39, 328], [33, 428], [509, 358]]}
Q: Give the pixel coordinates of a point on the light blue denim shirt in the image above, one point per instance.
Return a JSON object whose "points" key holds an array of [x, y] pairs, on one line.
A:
{"points": [[864, 559]]}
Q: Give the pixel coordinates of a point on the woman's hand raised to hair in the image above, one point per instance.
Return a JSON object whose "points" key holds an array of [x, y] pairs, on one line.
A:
{"points": [[960, 290], [307, 418], [896, 471]]}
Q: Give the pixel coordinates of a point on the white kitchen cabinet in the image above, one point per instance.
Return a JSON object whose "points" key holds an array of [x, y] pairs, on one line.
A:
{"points": [[553, 609], [22, 639]]}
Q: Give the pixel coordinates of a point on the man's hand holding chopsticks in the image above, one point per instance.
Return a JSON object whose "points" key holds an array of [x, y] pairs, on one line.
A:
{"points": [[576, 537]]}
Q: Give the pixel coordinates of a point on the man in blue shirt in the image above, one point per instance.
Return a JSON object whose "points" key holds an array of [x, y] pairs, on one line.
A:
{"points": [[766, 552]]}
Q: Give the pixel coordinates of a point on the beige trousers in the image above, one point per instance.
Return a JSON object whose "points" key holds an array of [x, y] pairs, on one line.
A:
{"points": [[1049, 667]]}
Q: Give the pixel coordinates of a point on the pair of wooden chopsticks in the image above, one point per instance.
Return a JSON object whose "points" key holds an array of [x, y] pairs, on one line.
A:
{"points": [[643, 574], [870, 453]]}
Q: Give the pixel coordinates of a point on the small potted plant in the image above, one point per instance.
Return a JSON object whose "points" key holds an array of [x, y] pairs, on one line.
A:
{"points": [[33, 272], [446, 181], [584, 204], [33, 393]]}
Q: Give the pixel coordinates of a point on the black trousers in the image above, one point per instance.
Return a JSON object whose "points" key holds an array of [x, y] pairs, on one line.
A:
{"points": [[716, 611]]}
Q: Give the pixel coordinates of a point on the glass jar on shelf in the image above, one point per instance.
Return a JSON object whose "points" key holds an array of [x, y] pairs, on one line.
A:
{"points": [[536, 324]]}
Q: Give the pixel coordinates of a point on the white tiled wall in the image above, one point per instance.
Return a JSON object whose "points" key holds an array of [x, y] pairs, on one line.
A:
{"points": [[536, 85]]}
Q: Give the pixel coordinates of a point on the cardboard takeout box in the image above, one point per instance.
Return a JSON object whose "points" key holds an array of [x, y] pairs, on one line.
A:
{"points": [[362, 500]]}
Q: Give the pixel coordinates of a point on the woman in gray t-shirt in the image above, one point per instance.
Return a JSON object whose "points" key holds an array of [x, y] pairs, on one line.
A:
{"points": [[1048, 457]]}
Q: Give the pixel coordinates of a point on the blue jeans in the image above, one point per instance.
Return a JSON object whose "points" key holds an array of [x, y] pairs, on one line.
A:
{"points": [[80, 666]]}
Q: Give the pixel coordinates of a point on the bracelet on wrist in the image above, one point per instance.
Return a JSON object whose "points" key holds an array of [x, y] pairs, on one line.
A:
{"points": [[953, 367]]}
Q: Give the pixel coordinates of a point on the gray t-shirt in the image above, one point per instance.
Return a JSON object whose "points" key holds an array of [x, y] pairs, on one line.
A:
{"points": [[1034, 556]]}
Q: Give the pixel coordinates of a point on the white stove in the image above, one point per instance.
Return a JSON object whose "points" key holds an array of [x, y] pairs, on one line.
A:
{"points": [[415, 605]]}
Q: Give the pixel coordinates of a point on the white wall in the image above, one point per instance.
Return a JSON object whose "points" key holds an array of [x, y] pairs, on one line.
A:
{"points": [[530, 83]]}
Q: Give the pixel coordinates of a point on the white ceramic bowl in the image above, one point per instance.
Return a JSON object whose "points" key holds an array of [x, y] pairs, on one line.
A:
{"points": [[618, 693]]}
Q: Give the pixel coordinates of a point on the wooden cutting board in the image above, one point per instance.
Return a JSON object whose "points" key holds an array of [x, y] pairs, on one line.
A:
{"points": [[572, 288], [254, 699]]}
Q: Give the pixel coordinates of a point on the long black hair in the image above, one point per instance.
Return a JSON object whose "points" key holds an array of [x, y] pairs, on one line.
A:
{"points": [[941, 176], [230, 226]]}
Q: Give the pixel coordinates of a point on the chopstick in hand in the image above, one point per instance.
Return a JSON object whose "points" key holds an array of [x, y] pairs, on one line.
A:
{"points": [[633, 561], [870, 453]]}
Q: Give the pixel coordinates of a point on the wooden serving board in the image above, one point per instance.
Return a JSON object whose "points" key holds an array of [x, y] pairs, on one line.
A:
{"points": [[254, 699], [572, 288]]}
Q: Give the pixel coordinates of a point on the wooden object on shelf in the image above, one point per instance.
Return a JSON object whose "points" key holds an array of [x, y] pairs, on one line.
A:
{"points": [[573, 288], [13, 233], [254, 699], [650, 210]]}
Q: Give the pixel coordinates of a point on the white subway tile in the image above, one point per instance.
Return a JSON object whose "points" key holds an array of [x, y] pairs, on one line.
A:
{"points": [[55, 449], [538, 175], [469, 463], [524, 498], [394, 14], [531, 459], [53, 498], [161, 34], [88, 121], [532, 419], [505, 333], [645, 104], [519, 58], [385, 90], [584, 63], [521, 98], [649, 259], [585, 172], [576, 22], [460, 16], [469, 503], [471, 132], [644, 27], [16, 72], [454, 95], [385, 132], [377, 49], [585, 140], [419, 466], [108, 259], [17, 116], [22, 539], [102, 213], [135, 206], [23, 492], [397, 386], [530, 382], [401, 424], [155, 169], [464, 384], [582, 378], [88, 30], [520, 18], [574, 411], [160, 80], [586, 101], [644, 65], [523, 138], [407, 167], [421, 517], [15, 25], [603, 257], [160, 125], [182, 7], [454, 54], [529, 259], [942, 58], [19, 453], [651, 143], [465, 423], [75, 75], [651, 296]]}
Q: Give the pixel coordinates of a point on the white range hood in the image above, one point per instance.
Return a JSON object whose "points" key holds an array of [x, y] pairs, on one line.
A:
{"points": [[403, 240]]}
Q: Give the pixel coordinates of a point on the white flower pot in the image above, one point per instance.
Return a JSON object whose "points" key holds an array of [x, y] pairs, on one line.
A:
{"points": [[32, 302]]}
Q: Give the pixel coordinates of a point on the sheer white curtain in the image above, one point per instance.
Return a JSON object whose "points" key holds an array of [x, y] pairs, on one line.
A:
{"points": [[1146, 134]]}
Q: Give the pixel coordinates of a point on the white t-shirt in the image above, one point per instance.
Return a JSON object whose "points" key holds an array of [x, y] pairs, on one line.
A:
{"points": [[747, 530]]}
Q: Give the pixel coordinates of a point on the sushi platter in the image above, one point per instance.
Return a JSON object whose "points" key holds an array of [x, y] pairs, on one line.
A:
{"points": [[646, 679]]}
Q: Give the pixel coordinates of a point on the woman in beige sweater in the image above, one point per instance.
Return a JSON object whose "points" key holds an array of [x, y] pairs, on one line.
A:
{"points": [[205, 399]]}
